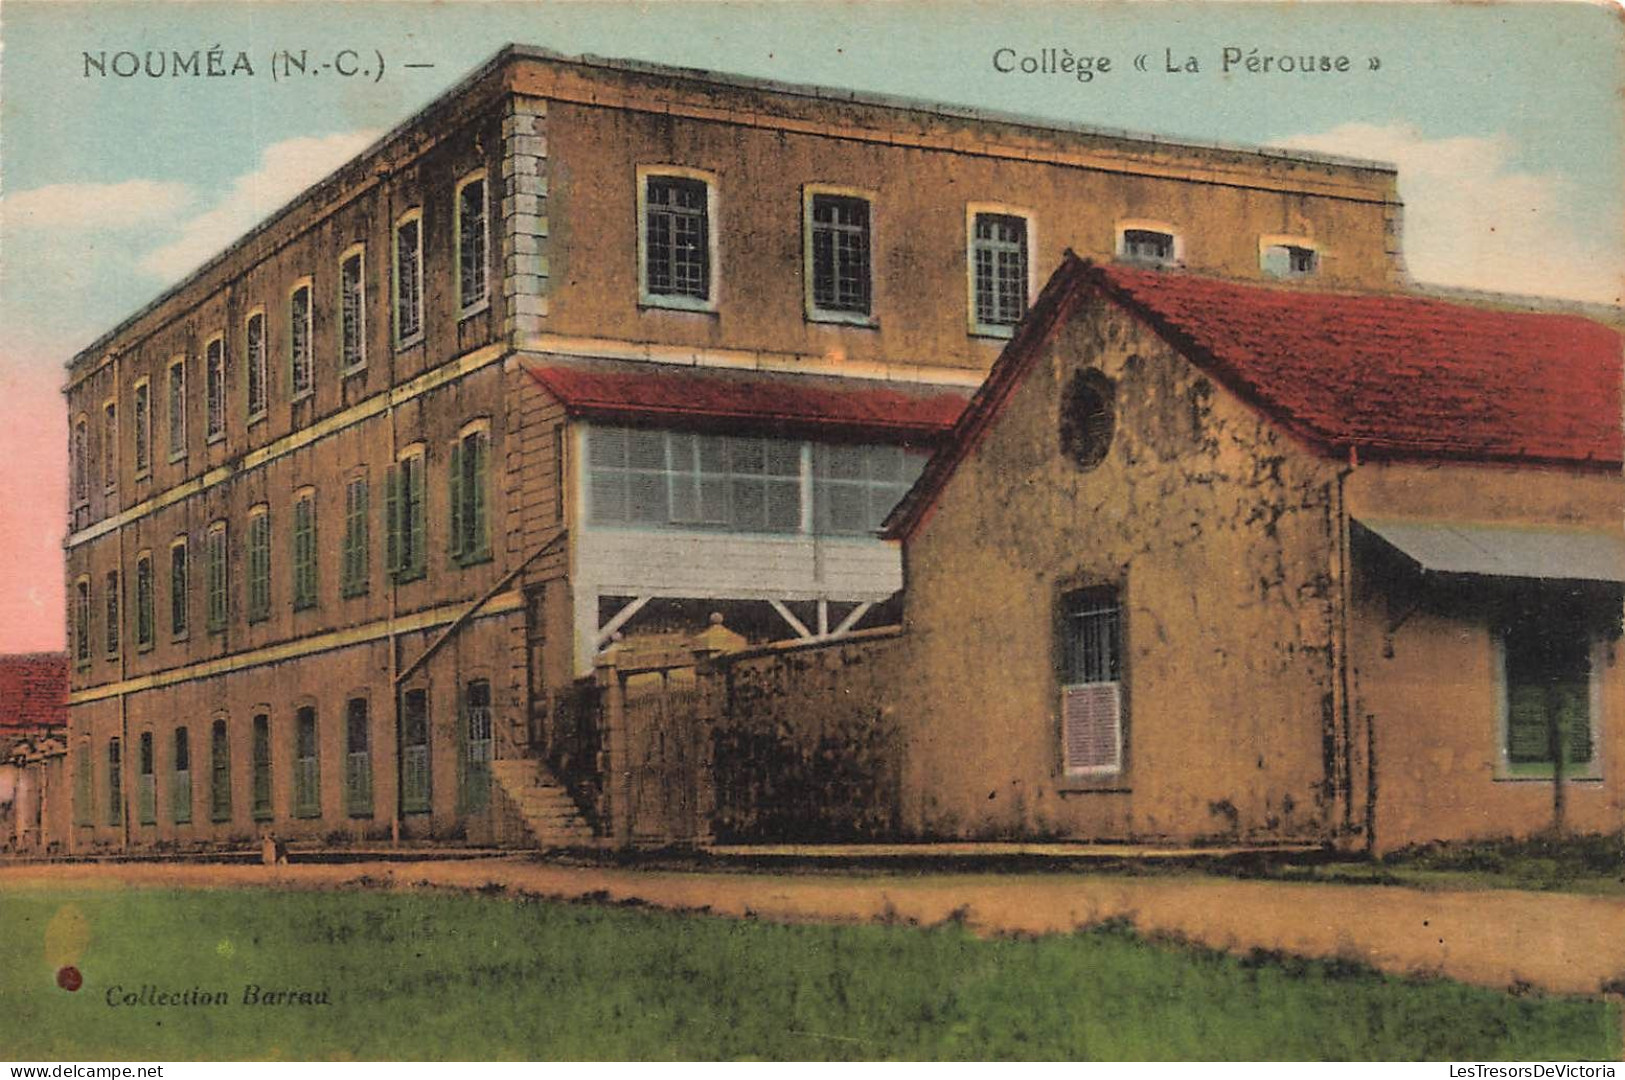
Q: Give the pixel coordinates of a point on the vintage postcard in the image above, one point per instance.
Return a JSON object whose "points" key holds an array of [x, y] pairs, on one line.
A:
{"points": [[811, 531]]}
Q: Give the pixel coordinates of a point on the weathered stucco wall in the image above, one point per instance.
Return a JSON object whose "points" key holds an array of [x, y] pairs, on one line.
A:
{"points": [[805, 743], [1220, 533], [1427, 680]]}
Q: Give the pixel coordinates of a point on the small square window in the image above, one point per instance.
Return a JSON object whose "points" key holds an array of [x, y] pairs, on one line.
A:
{"points": [[1148, 246], [1290, 260]]}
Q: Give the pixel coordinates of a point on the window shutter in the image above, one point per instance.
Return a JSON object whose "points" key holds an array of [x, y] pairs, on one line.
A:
{"points": [[455, 488], [392, 518], [480, 536], [1091, 727], [415, 501]]}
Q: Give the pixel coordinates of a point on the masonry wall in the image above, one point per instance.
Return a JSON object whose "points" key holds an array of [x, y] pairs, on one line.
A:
{"points": [[1219, 533], [1427, 679]]}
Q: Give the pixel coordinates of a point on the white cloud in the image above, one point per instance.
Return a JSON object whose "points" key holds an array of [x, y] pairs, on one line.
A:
{"points": [[127, 204], [285, 169], [1473, 221]]}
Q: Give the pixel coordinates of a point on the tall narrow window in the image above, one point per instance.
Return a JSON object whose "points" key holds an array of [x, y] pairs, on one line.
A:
{"points": [[301, 368], [115, 783], [84, 786], [470, 539], [177, 409], [405, 513], [838, 251], [179, 581], [79, 452], [409, 278], [259, 563], [219, 772], [357, 759], [676, 239], [214, 372], [307, 766], [304, 550], [81, 621], [180, 779], [258, 370], [146, 790], [477, 746], [143, 428], [144, 622], [262, 767], [355, 537], [999, 270], [472, 287], [112, 612], [1091, 682], [352, 312], [219, 576], [415, 752], [109, 446]]}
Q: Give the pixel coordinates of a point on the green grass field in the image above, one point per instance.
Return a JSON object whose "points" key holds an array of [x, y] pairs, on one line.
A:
{"points": [[430, 975]]}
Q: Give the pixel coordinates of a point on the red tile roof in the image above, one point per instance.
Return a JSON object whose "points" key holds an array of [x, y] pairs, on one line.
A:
{"points": [[33, 691], [676, 395], [1380, 375]]}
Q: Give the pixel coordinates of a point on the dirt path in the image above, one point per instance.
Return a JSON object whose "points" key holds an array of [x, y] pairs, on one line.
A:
{"points": [[1554, 941]]}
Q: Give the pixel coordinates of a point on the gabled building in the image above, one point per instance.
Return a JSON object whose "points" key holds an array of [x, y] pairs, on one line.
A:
{"points": [[585, 348], [1268, 564]]}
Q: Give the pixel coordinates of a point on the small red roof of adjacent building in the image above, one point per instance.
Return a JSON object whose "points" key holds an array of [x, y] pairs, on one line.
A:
{"points": [[760, 401], [1391, 376], [33, 691]]}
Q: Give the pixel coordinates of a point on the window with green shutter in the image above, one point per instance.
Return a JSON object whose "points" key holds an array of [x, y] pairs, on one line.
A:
{"points": [[143, 601], [146, 783], [357, 759], [1546, 664], [468, 533], [307, 766], [84, 787], [180, 779], [217, 573], [259, 564], [304, 551], [405, 510], [179, 582], [219, 772], [415, 795], [115, 783], [262, 767], [355, 577]]}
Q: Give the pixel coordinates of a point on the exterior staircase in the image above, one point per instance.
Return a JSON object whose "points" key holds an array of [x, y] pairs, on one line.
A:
{"points": [[543, 804]]}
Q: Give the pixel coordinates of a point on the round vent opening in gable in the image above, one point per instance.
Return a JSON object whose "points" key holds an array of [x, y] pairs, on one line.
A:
{"points": [[1088, 418]]}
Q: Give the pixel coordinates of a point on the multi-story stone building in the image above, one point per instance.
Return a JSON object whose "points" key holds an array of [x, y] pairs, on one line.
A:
{"points": [[585, 347]]}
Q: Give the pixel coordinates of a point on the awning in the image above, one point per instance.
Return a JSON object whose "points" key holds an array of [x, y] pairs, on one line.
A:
{"points": [[1506, 550]]}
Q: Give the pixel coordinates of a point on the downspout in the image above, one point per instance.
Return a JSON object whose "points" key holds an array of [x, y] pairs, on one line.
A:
{"points": [[123, 649]]}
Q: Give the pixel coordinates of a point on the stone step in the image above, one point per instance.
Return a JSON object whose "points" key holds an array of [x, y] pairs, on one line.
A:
{"points": [[549, 812]]}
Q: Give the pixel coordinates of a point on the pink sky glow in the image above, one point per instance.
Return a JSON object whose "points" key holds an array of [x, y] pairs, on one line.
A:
{"points": [[33, 446]]}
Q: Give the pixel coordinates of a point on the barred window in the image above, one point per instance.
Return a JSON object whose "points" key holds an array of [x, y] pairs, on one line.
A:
{"points": [[472, 286], [254, 357], [262, 767], [352, 313], [144, 622], [179, 581], [215, 387], [177, 410], [109, 446], [839, 239], [477, 746], [115, 783], [180, 779], [220, 772], [146, 782], [677, 244], [112, 628], [409, 278], [1091, 673], [301, 362], [999, 269], [81, 621], [79, 451]]}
